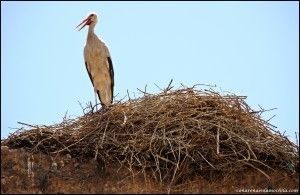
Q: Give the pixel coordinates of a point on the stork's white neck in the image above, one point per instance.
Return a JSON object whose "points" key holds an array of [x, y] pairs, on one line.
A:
{"points": [[91, 34], [91, 28]]}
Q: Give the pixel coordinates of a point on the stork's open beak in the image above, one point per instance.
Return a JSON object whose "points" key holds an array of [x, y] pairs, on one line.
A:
{"points": [[86, 22]]}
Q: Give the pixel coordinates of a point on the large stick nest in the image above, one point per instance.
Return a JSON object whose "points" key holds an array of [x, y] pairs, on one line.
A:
{"points": [[173, 134]]}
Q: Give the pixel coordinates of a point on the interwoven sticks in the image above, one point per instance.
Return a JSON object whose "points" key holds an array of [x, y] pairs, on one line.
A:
{"points": [[171, 134]]}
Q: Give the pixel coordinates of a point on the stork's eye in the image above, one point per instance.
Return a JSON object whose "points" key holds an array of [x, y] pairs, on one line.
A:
{"points": [[92, 15]]}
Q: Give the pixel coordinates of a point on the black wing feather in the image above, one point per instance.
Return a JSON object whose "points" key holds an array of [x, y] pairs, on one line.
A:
{"points": [[86, 65], [111, 72]]}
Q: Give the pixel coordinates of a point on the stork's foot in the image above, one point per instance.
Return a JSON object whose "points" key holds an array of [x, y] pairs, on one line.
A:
{"points": [[101, 109], [96, 108], [105, 108]]}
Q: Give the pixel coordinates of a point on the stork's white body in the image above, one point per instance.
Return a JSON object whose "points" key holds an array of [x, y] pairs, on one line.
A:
{"points": [[99, 66]]}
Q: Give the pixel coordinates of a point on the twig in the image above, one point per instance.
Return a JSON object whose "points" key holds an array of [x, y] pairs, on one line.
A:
{"points": [[34, 126], [206, 160], [168, 88]]}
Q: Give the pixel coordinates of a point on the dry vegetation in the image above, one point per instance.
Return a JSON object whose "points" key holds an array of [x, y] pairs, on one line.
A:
{"points": [[170, 136]]}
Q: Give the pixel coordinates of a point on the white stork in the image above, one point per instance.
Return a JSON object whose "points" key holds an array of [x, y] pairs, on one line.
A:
{"points": [[98, 63]]}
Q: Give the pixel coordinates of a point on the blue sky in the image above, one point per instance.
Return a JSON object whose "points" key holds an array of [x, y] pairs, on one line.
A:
{"points": [[248, 48]]}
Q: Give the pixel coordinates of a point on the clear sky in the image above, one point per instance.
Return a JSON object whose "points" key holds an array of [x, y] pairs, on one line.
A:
{"points": [[248, 48]]}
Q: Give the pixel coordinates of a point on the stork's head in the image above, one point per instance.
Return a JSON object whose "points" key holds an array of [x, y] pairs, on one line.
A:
{"points": [[90, 20]]}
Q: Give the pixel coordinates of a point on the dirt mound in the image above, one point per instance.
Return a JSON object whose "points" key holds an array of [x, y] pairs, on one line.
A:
{"points": [[171, 136], [25, 172]]}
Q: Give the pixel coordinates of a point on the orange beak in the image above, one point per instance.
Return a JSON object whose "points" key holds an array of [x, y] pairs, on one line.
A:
{"points": [[86, 22]]}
